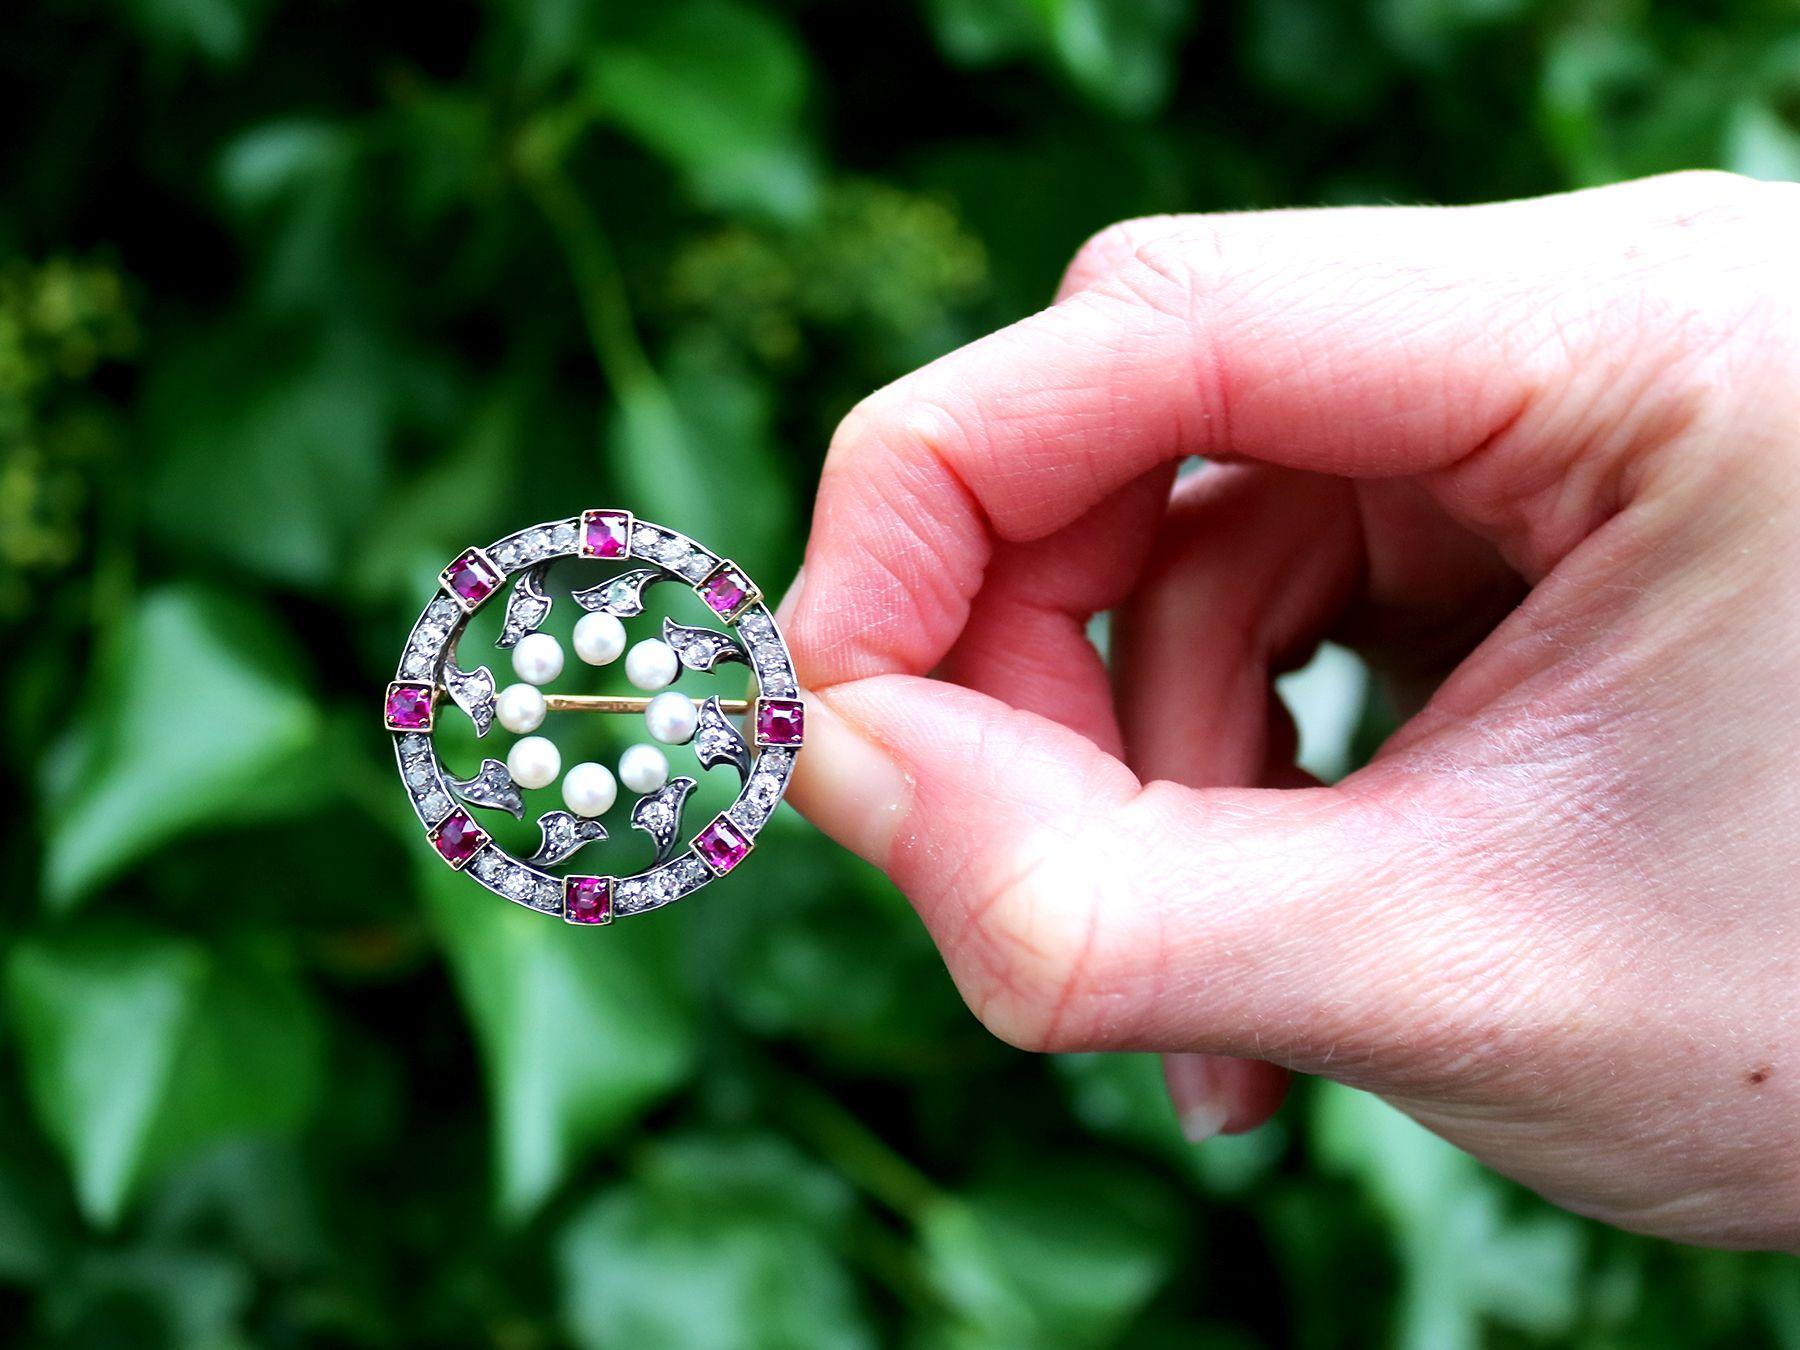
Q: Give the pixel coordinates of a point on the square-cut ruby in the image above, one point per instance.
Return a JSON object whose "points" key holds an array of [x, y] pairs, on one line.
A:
{"points": [[471, 578], [458, 838], [408, 706], [605, 534], [727, 590], [721, 846], [587, 899], [780, 721]]}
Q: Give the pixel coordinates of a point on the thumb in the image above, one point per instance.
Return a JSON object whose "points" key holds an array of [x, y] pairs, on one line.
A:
{"points": [[1080, 910]]}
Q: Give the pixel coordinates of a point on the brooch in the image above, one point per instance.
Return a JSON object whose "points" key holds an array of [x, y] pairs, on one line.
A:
{"points": [[431, 678]]}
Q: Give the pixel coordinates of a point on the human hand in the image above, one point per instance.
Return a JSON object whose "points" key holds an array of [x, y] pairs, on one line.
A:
{"points": [[1556, 919]]}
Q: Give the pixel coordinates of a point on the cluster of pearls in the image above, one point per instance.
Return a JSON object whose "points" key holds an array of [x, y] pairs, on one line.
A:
{"points": [[589, 789]]}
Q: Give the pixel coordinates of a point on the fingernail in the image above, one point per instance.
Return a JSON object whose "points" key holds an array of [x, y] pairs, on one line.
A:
{"points": [[790, 600], [1197, 1094], [848, 785]]}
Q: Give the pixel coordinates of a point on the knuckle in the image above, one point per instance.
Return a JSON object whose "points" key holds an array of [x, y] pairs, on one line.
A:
{"points": [[1034, 956], [1707, 299], [901, 418], [1114, 247]]}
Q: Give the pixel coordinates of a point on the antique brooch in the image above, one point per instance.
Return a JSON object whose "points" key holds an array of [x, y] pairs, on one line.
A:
{"points": [[431, 679]]}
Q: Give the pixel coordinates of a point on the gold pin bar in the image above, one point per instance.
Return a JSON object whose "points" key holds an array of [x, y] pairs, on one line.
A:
{"points": [[627, 703]]}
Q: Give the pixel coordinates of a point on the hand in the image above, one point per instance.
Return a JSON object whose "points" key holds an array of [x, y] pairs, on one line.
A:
{"points": [[1540, 460]]}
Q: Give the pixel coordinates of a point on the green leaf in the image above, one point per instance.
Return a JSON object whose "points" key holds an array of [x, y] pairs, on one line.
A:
{"points": [[1326, 698], [252, 1063], [196, 716], [1465, 1259], [580, 1030], [140, 1049], [697, 456], [153, 1295], [1063, 1256], [100, 1022], [716, 1243], [1119, 1096], [717, 89], [1762, 145], [1119, 53], [218, 30], [268, 453], [780, 963]]}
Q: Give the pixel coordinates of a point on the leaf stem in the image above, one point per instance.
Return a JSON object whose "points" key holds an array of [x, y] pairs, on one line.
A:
{"points": [[599, 285]]}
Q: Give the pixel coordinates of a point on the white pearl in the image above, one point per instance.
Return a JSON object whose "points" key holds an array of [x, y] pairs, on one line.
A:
{"points": [[589, 789], [533, 761], [672, 718], [599, 638], [643, 768], [652, 664], [538, 658], [520, 708]]}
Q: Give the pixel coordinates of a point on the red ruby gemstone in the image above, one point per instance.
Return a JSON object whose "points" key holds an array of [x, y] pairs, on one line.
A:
{"points": [[471, 578], [587, 899], [458, 838], [408, 706], [726, 590], [722, 845], [780, 721], [606, 534]]}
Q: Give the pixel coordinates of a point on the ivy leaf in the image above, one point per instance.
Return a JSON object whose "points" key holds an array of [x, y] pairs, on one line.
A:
{"points": [[697, 456], [268, 451], [1465, 1260], [579, 1031], [251, 1065], [717, 89], [1064, 1255], [140, 1048], [100, 1022], [197, 716], [1761, 145], [1121, 1096], [717, 1243], [219, 30], [1119, 53]]}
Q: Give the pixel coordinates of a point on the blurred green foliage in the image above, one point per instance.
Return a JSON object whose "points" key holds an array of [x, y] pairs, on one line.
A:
{"points": [[295, 300]]}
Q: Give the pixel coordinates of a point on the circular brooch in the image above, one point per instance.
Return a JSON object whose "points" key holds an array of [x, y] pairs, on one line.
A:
{"points": [[431, 677]]}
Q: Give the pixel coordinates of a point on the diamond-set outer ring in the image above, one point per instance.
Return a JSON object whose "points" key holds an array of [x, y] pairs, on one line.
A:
{"points": [[679, 558]]}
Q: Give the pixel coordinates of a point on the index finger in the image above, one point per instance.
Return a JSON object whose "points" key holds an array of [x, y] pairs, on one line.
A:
{"points": [[1361, 341]]}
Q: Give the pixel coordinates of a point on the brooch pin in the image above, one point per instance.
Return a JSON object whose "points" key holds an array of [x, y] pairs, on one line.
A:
{"points": [[431, 678]]}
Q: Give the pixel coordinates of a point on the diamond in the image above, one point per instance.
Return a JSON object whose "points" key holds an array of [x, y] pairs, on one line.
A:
{"points": [[471, 579], [408, 706], [587, 899], [780, 721], [457, 838], [722, 846]]}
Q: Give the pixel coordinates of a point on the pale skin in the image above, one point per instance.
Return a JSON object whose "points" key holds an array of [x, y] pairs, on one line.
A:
{"points": [[1540, 462]]}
